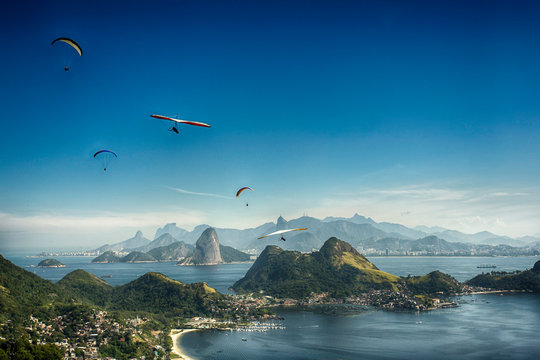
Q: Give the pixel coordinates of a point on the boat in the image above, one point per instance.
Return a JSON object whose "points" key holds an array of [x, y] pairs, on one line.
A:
{"points": [[106, 276], [244, 339], [487, 266]]}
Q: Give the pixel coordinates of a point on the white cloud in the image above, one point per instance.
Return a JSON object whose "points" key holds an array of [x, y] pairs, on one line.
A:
{"points": [[85, 231], [502, 211], [183, 191], [14, 222]]}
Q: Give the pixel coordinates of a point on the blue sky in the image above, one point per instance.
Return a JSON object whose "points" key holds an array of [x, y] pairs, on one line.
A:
{"points": [[406, 111]]}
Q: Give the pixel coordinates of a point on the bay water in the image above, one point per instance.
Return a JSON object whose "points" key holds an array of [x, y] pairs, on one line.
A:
{"points": [[482, 327]]}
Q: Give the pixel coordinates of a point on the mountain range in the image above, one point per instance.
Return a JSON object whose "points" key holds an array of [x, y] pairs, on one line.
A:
{"points": [[207, 251], [362, 232]]}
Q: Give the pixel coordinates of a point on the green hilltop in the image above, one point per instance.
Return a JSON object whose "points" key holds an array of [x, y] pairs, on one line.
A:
{"points": [[528, 280], [23, 293], [156, 293], [107, 257], [432, 283], [87, 288], [337, 268]]}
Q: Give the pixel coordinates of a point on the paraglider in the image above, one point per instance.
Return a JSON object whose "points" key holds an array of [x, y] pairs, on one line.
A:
{"points": [[242, 190], [281, 232], [174, 127], [105, 156], [72, 43]]}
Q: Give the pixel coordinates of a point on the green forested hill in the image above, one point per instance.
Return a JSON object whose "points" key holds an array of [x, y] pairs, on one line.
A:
{"points": [[86, 287], [137, 256], [528, 280], [230, 254], [432, 283], [107, 257], [23, 292], [337, 268], [156, 293]]}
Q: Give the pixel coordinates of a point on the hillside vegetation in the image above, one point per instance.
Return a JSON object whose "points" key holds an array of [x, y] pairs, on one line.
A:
{"points": [[337, 268], [528, 280]]}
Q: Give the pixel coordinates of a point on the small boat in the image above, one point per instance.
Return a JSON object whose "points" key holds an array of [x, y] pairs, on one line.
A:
{"points": [[487, 266], [106, 276], [244, 339]]}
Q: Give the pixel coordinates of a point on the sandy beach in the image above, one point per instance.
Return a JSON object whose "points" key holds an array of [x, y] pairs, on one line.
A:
{"points": [[175, 334]]}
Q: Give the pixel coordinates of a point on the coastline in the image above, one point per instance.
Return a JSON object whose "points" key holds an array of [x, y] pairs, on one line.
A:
{"points": [[176, 334]]}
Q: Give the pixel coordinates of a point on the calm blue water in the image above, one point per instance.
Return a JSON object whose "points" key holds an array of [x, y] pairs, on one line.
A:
{"points": [[221, 277], [483, 327]]}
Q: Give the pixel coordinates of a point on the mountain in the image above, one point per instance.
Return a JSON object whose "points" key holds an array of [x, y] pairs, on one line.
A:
{"points": [[337, 268], [156, 293], [430, 229], [171, 228], [107, 257], [50, 263], [358, 230], [230, 254], [319, 230], [86, 287], [528, 280], [207, 251], [137, 256], [173, 252], [281, 223], [163, 240], [303, 241], [482, 237], [387, 227], [136, 241]]}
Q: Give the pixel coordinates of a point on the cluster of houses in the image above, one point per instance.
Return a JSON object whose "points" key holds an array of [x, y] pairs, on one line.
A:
{"points": [[87, 336]]}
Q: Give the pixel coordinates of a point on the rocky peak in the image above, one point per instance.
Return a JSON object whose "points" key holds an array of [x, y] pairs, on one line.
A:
{"points": [[336, 247], [281, 224], [206, 250], [340, 252]]}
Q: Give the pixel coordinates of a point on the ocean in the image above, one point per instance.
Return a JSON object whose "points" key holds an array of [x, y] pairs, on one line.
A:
{"points": [[482, 327]]}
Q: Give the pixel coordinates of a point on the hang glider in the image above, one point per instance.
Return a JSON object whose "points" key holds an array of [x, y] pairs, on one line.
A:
{"points": [[281, 232], [180, 121]]}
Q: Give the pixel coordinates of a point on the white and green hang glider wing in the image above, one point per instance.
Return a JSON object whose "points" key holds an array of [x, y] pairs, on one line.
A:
{"points": [[281, 232]]}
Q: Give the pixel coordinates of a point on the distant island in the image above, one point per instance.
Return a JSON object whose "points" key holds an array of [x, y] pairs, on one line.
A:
{"points": [[50, 263], [528, 280]]}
